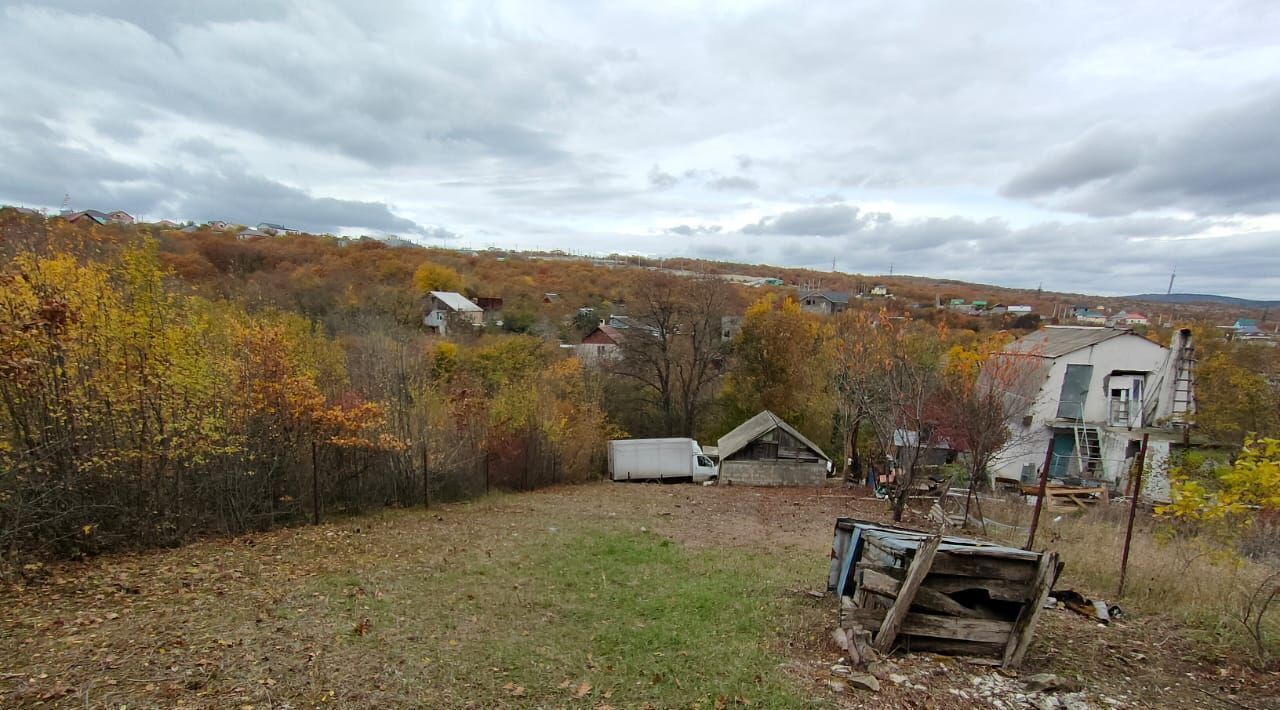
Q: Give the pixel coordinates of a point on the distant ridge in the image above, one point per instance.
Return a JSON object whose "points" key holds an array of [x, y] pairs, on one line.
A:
{"points": [[1202, 298]]}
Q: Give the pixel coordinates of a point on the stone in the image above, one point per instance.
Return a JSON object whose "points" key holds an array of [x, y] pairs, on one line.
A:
{"points": [[864, 681], [898, 679], [1048, 682]]}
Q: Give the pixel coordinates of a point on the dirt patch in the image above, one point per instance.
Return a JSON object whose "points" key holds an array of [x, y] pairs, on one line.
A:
{"points": [[287, 617]]}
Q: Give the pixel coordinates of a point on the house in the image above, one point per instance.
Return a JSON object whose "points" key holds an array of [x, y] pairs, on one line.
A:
{"points": [[278, 229], [119, 217], [1245, 329], [1125, 318], [766, 451], [998, 310], [88, 217], [218, 224], [880, 290], [604, 344], [251, 234], [1097, 391], [167, 224], [489, 304], [1089, 316], [629, 323], [1018, 310], [824, 302], [446, 308]]}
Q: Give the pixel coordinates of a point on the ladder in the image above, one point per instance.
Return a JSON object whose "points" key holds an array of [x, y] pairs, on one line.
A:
{"points": [[1088, 448], [1183, 391]]}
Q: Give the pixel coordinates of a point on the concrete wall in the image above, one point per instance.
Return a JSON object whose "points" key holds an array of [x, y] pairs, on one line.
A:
{"points": [[773, 473]]}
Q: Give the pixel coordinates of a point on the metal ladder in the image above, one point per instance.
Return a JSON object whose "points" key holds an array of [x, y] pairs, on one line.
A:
{"points": [[1088, 448], [1183, 392]]}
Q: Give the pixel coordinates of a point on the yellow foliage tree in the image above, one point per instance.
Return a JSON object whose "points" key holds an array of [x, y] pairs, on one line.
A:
{"points": [[435, 277]]}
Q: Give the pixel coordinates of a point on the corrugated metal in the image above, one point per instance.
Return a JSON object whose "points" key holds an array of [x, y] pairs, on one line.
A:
{"points": [[1057, 340]]}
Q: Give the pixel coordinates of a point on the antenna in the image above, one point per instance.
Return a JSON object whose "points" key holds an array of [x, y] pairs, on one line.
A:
{"points": [[1171, 277], [66, 203]]}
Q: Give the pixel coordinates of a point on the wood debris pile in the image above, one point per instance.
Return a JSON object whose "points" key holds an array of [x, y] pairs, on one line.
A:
{"points": [[911, 591]]}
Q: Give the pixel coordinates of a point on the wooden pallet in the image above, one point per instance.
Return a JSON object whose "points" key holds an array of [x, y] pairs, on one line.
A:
{"points": [[913, 591]]}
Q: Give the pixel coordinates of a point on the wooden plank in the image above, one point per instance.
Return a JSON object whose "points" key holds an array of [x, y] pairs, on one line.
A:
{"points": [[936, 626], [919, 569], [1024, 628], [877, 582], [998, 589], [976, 566]]}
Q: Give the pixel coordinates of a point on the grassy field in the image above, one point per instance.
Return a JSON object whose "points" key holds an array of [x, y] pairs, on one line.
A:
{"points": [[593, 596]]}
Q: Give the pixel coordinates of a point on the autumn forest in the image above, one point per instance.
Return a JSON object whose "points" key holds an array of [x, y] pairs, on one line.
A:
{"points": [[157, 385]]}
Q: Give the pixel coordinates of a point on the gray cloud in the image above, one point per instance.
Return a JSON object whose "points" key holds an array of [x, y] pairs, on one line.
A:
{"points": [[818, 221], [660, 180], [733, 182], [523, 124], [1221, 162], [686, 230]]}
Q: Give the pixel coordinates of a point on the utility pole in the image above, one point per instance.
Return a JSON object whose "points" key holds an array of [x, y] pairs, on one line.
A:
{"points": [[1133, 511]]}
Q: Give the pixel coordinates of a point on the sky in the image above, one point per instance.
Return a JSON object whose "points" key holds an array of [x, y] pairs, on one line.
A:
{"points": [[1087, 146]]}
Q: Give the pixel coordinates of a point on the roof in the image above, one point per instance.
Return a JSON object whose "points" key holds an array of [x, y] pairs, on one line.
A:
{"points": [[1057, 340], [253, 233], [832, 296], [613, 333], [455, 301], [754, 428]]}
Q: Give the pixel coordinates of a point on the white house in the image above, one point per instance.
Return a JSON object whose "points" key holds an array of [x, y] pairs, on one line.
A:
{"points": [[1100, 390], [444, 307], [1126, 318]]}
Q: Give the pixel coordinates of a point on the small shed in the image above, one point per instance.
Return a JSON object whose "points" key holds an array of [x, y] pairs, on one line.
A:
{"points": [[766, 451]]}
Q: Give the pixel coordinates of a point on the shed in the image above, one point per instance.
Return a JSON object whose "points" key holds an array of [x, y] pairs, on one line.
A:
{"points": [[766, 451]]}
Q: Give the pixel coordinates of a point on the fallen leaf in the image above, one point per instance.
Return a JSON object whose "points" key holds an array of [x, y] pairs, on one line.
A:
{"points": [[582, 690]]}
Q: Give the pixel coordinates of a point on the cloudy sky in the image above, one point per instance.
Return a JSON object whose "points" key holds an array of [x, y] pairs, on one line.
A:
{"points": [[1089, 146]]}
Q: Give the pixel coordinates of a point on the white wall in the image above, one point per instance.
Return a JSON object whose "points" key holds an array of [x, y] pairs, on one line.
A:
{"points": [[1127, 352]]}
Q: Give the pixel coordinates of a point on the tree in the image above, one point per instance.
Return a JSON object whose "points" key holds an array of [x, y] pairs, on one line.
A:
{"points": [[888, 379], [435, 277], [782, 362], [982, 395], [676, 351]]}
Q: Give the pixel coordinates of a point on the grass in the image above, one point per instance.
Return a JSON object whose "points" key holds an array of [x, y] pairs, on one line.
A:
{"points": [[483, 609], [1191, 580]]}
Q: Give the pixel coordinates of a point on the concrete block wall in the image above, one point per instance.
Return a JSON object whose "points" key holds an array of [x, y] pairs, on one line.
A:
{"points": [[773, 473]]}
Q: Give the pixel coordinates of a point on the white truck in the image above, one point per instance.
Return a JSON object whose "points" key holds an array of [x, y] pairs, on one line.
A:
{"points": [[659, 459]]}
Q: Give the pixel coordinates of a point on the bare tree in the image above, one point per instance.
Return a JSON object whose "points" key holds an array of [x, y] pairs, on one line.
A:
{"points": [[673, 347]]}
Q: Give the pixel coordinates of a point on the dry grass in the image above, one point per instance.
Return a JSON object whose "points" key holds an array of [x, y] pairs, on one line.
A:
{"points": [[1192, 580]]}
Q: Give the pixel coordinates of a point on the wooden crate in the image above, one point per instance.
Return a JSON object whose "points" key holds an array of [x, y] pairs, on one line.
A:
{"points": [[919, 592]]}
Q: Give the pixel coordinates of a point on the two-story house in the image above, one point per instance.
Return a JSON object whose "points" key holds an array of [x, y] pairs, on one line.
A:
{"points": [[1099, 391], [446, 308]]}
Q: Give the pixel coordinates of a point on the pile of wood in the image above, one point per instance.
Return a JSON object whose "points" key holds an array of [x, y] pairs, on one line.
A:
{"points": [[1067, 499], [906, 590]]}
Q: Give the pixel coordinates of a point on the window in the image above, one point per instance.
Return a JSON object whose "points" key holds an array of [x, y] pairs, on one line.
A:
{"points": [[1075, 389]]}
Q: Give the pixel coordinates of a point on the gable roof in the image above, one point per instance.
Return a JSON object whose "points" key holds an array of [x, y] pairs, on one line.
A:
{"points": [[614, 334], [753, 428], [455, 301], [832, 296], [1057, 340]]}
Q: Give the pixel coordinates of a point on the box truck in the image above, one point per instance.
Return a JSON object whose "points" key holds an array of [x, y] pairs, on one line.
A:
{"points": [[659, 459]]}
